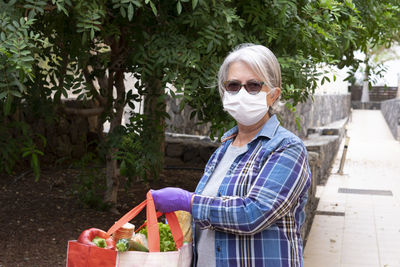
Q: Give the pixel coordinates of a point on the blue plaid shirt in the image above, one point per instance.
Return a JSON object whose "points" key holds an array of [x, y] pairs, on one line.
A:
{"points": [[259, 208]]}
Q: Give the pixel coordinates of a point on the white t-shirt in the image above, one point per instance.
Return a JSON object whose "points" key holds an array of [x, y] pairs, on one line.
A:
{"points": [[205, 239]]}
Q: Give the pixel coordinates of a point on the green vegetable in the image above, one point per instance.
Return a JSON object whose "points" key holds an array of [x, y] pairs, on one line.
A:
{"points": [[100, 242], [122, 245], [135, 246], [167, 242]]}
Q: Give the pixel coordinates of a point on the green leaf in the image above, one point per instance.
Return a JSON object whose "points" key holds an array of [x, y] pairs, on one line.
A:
{"points": [[84, 38], [26, 59], [36, 167], [15, 93], [31, 14], [209, 47], [153, 7], [16, 24], [179, 7], [3, 94], [123, 12], [137, 3], [194, 3], [130, 12], [122, 169], [26, 153], [64, 92], [57, 95], [92, 34], [39, 152]]}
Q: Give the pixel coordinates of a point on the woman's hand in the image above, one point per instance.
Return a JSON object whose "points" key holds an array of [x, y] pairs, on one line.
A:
{"points": [[171, 199]]}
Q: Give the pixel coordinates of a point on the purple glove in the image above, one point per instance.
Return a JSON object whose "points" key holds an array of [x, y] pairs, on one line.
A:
{"points": [[172, 199]]}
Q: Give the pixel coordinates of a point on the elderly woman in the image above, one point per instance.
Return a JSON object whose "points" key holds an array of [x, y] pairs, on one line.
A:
{"points": [[248, 207]]}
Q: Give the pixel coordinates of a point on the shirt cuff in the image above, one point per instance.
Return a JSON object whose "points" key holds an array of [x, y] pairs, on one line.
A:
{"points": [[201, 210]]}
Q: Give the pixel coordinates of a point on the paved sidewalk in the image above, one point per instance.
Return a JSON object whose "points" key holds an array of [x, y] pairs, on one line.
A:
{"points": [[360, 228]]}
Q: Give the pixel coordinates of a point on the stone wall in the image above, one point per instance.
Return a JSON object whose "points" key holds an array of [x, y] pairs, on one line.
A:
{"points": [[68, 137], [180, 120], [188, 151], [391, 111], [366, 105], [312, 202], [376, 93], [324, 110]]}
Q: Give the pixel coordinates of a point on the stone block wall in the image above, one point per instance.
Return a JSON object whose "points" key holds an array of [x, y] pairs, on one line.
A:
{"points": [[366, 105], [68, 137], [181, 122], [391, 111], [324, 110], [185, 151], [376, 93], [312, 202]]}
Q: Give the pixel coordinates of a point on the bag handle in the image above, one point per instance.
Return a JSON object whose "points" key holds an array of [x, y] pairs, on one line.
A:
{"points": [[153, 236], [152, 225], [127, 217], [159, 214], [176, 230]]}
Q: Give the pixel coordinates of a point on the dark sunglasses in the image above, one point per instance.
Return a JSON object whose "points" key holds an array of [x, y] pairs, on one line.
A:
{"points": [[252, 87]]}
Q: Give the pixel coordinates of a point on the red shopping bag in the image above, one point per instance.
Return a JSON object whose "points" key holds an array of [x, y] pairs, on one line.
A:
{"points": [[81, 255]]}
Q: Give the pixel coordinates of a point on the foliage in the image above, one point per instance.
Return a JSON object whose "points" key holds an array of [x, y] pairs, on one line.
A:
{"points": [[10, 150], [135, 153], [379, 20], [90, 183], [16, 142], [302, 34], [17, 43]]}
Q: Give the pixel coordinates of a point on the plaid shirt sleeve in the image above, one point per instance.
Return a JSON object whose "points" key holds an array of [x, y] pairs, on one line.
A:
{"points": [[273, 194]]}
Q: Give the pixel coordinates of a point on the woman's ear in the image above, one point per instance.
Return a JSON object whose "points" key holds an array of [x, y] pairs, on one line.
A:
{"points": [[276, 94]]}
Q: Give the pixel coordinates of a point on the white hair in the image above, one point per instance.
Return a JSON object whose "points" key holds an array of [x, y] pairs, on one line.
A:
{"points": [[261, 60]]}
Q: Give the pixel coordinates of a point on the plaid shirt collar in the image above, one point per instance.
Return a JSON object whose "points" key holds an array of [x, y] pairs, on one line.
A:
{"points": [[268, 130]]}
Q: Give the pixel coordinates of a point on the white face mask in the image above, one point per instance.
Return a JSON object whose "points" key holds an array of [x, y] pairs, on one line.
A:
{"points": [[245, 108]]}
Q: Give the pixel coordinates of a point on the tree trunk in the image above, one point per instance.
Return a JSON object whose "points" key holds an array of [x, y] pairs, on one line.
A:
{"points": [[112, 171], [112, 178], [154, 109], [365, 88]]}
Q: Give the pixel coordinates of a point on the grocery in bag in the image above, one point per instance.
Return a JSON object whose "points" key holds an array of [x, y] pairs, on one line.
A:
{"points": [[120, 246]]}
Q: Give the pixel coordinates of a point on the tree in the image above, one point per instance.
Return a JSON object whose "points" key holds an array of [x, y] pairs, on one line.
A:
{"points": [[87, 48], [380, 20]]}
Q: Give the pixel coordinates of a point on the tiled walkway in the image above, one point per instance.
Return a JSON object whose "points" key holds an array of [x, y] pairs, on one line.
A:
{"points": [[363, 228]]}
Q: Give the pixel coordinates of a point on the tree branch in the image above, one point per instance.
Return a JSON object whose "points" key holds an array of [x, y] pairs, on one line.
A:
{"points": [[94, 90], [103, 83]]}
